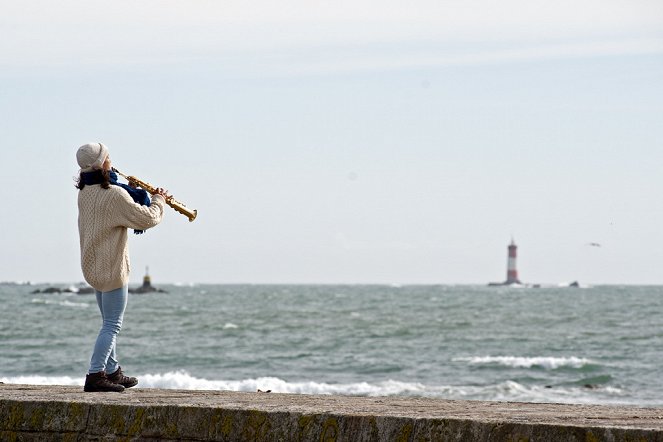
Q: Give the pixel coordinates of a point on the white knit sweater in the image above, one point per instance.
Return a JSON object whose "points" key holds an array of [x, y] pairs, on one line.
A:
{"points": [[104, 215]]}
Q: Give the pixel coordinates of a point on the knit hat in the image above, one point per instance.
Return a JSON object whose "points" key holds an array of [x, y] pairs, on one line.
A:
{"points": [[91, 156]]}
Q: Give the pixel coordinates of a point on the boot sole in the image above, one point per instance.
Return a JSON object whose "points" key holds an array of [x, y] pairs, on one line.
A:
{"points": [[103, 390]]}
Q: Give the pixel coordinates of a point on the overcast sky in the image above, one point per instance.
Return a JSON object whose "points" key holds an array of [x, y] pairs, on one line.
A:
{"points": [[342, 141]]}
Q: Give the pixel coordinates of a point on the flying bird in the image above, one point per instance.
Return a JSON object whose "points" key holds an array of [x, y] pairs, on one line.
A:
{"points": [[594, 244]]}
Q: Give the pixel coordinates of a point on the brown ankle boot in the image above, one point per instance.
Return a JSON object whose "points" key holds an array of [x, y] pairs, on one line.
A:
{"points": [[99, 382], [119, 378]]}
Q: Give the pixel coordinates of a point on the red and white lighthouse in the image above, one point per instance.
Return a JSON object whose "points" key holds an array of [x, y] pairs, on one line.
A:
{"points": [[511, 269]]}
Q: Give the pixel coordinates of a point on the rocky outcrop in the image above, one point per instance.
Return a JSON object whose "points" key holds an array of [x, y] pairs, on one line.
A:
{"points": [[83, 290]]}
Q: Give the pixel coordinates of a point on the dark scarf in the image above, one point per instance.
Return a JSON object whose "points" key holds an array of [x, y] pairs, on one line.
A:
{"points": [[139, 196]]}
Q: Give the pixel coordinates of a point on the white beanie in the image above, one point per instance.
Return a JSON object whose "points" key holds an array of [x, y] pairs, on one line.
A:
{"points": [[91, 156]]}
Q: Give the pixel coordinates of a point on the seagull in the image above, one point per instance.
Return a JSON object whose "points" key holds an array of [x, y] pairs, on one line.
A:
{"points": [[594, 244]]}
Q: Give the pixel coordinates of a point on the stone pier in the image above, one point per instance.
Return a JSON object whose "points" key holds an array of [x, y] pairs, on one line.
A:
{"points": [[46, 413]]}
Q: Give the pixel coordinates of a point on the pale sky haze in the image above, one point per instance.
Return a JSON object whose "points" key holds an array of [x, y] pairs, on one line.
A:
{"points": [[342, 142]]}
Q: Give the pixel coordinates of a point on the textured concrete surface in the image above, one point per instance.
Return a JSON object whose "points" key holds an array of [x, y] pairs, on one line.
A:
{"points": [[43, 413]]}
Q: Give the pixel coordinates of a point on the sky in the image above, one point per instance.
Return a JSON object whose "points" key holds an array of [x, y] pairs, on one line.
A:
{"points": [[357, 141]]}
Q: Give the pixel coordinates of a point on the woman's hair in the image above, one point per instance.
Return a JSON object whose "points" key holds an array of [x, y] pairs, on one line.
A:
{"points": [[105, 183]]}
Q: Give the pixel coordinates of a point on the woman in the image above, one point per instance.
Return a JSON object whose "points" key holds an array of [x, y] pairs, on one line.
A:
{"points": [[106, 209]]}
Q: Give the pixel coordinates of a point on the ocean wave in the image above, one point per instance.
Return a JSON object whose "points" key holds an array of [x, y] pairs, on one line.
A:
{"points": [[503, 391], [183, 380], [514, 391], [42, 380], [60, 302], [546, 362]]}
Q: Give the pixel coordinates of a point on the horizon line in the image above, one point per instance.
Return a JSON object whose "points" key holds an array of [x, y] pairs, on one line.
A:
{"points": [[386, 284]]}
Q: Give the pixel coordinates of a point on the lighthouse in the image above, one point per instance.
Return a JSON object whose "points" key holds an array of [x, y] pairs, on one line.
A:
{"points": [[511, 269]]}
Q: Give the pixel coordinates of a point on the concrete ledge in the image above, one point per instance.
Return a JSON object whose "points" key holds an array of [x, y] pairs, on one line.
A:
{"points": [[46, 413]]}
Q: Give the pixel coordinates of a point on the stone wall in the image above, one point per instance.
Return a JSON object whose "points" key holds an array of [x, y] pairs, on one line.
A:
{"points": [[47, 413]]}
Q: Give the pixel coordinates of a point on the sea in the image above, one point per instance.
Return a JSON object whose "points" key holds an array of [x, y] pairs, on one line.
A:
{"points": [[590, 345]]}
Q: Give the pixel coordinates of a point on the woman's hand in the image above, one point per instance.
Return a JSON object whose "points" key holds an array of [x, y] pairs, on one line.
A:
{"points": [[164, 193]]}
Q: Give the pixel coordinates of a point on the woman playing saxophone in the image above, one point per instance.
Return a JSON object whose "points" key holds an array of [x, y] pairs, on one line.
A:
{"points": [[106, 210]]}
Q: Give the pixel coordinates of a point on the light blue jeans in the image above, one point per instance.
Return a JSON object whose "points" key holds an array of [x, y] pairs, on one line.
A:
{"points": [[112, 305]]}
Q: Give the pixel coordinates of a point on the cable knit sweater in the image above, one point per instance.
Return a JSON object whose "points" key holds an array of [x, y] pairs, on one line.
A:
{"points": [[104, 215]]}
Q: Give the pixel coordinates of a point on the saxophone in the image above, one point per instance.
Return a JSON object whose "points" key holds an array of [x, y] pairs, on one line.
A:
{"points": [[172, 202]]}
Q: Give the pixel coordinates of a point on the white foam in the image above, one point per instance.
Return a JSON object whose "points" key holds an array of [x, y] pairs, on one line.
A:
{"points": [[185, 284], [43, 380], [514, 391], [504, 391], [60, 302], [547, 362], [183, 380]]}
